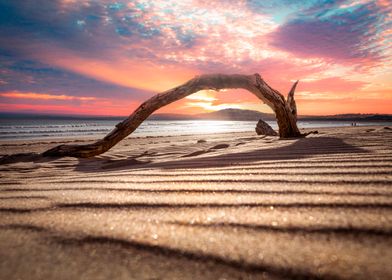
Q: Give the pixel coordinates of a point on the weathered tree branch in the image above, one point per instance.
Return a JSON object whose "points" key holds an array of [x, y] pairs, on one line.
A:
{"points": [[286, 112], [291, 101]]}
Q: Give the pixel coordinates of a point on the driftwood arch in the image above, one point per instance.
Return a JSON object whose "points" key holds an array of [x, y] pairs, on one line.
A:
{"points": [[285, 110]]}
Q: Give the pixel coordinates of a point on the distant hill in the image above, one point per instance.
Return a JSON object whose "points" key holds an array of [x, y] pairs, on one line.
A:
{"points": [[170, 117], [225, 114], [236, 114]]}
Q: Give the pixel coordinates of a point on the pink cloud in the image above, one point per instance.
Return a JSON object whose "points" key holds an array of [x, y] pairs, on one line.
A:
{"points": [[44, 96], [333, 84], [157, 45]]}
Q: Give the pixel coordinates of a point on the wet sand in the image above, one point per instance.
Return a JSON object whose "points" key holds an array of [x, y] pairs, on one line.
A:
{"points": [[235, 206]]}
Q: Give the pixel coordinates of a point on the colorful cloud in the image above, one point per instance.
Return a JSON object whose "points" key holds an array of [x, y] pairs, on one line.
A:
{"points": [[44, 96], [119, 53]]}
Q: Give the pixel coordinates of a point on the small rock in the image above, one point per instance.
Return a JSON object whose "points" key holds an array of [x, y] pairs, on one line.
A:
{"points": [[201, 141], [263, 128]]}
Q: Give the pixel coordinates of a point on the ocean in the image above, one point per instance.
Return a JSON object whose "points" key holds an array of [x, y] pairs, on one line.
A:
{"points": [[25, 128]]}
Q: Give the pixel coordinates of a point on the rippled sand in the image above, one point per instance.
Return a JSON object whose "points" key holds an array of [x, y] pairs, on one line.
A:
{"points": [[237, 206]]}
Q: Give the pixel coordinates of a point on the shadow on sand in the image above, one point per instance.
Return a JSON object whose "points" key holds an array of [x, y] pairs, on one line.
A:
{"points": [[300, 149], [172, 253]]}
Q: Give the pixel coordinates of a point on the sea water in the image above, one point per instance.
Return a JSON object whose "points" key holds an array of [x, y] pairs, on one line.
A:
{"points": [[25, 128]]}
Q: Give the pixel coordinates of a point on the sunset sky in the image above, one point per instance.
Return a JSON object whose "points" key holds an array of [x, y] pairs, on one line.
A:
{"points": [[95, 57]]}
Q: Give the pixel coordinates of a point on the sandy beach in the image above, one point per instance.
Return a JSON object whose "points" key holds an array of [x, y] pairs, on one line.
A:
{"points": [[219, 206]]}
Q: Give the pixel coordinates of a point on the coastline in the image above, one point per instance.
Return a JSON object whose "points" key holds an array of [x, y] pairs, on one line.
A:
{"points": [[49, 130], [58, 140], [235, 206]]}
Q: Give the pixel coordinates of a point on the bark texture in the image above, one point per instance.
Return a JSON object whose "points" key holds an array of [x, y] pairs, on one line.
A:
{"points": [[285, 111]]}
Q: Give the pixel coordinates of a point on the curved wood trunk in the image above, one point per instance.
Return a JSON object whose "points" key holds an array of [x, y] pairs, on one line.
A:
{"points": [[285, 111]]}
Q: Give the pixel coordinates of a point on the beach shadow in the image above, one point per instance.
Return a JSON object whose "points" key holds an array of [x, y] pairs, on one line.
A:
{"points": [[103, 162], [219, 191], [296, 205], [300, 149], [385, 206], [302, 230], [25, 157], [61, 238]]}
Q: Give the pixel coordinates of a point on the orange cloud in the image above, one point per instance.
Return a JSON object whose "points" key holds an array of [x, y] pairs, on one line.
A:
{"points": [[64, 104], [44, 96], [333, 84], [113, 109], [344, 106], [119, 70]]}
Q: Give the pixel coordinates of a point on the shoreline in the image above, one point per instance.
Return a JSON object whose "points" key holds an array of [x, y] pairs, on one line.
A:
{"points": [[89, 138], [140, 134]]}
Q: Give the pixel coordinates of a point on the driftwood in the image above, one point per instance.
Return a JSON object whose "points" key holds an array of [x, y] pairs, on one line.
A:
{"points": [[263, 128], [285, 111]]}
